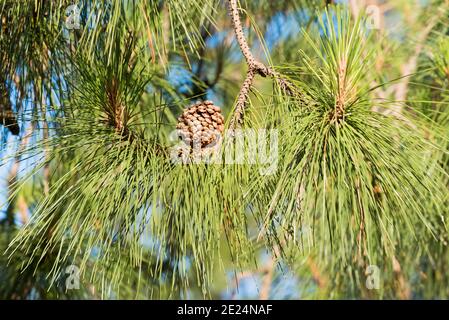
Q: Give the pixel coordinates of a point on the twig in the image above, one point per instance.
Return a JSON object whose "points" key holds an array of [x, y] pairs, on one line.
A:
{"points": [[400, 89], [410, 67], [266, 272], [39, 97], [12, 178], [254, 67], [238, 278], [267, 280], [403, 287], [23, 209], [320, 280]]}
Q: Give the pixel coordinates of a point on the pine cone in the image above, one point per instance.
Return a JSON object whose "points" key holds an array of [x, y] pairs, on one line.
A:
{"points": [[201, 124]]}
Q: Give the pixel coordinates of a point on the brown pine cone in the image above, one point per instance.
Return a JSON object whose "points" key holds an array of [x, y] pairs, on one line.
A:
{"points": [[201, 124]]}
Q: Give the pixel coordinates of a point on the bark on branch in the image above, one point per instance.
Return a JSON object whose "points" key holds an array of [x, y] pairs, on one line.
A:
{"points": [[254, 68]]}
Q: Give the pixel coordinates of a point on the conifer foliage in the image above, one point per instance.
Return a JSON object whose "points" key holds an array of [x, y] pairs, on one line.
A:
{"points": [[347, 111]]}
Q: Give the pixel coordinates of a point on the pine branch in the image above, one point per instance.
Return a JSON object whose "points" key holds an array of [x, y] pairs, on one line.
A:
{"points": [[254, 67]]}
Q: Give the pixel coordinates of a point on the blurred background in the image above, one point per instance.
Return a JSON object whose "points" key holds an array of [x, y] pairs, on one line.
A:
{"points": [[198, 58]]}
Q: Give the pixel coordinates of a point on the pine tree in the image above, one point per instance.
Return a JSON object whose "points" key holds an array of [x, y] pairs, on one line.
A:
{"points": [[131, 149]]}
